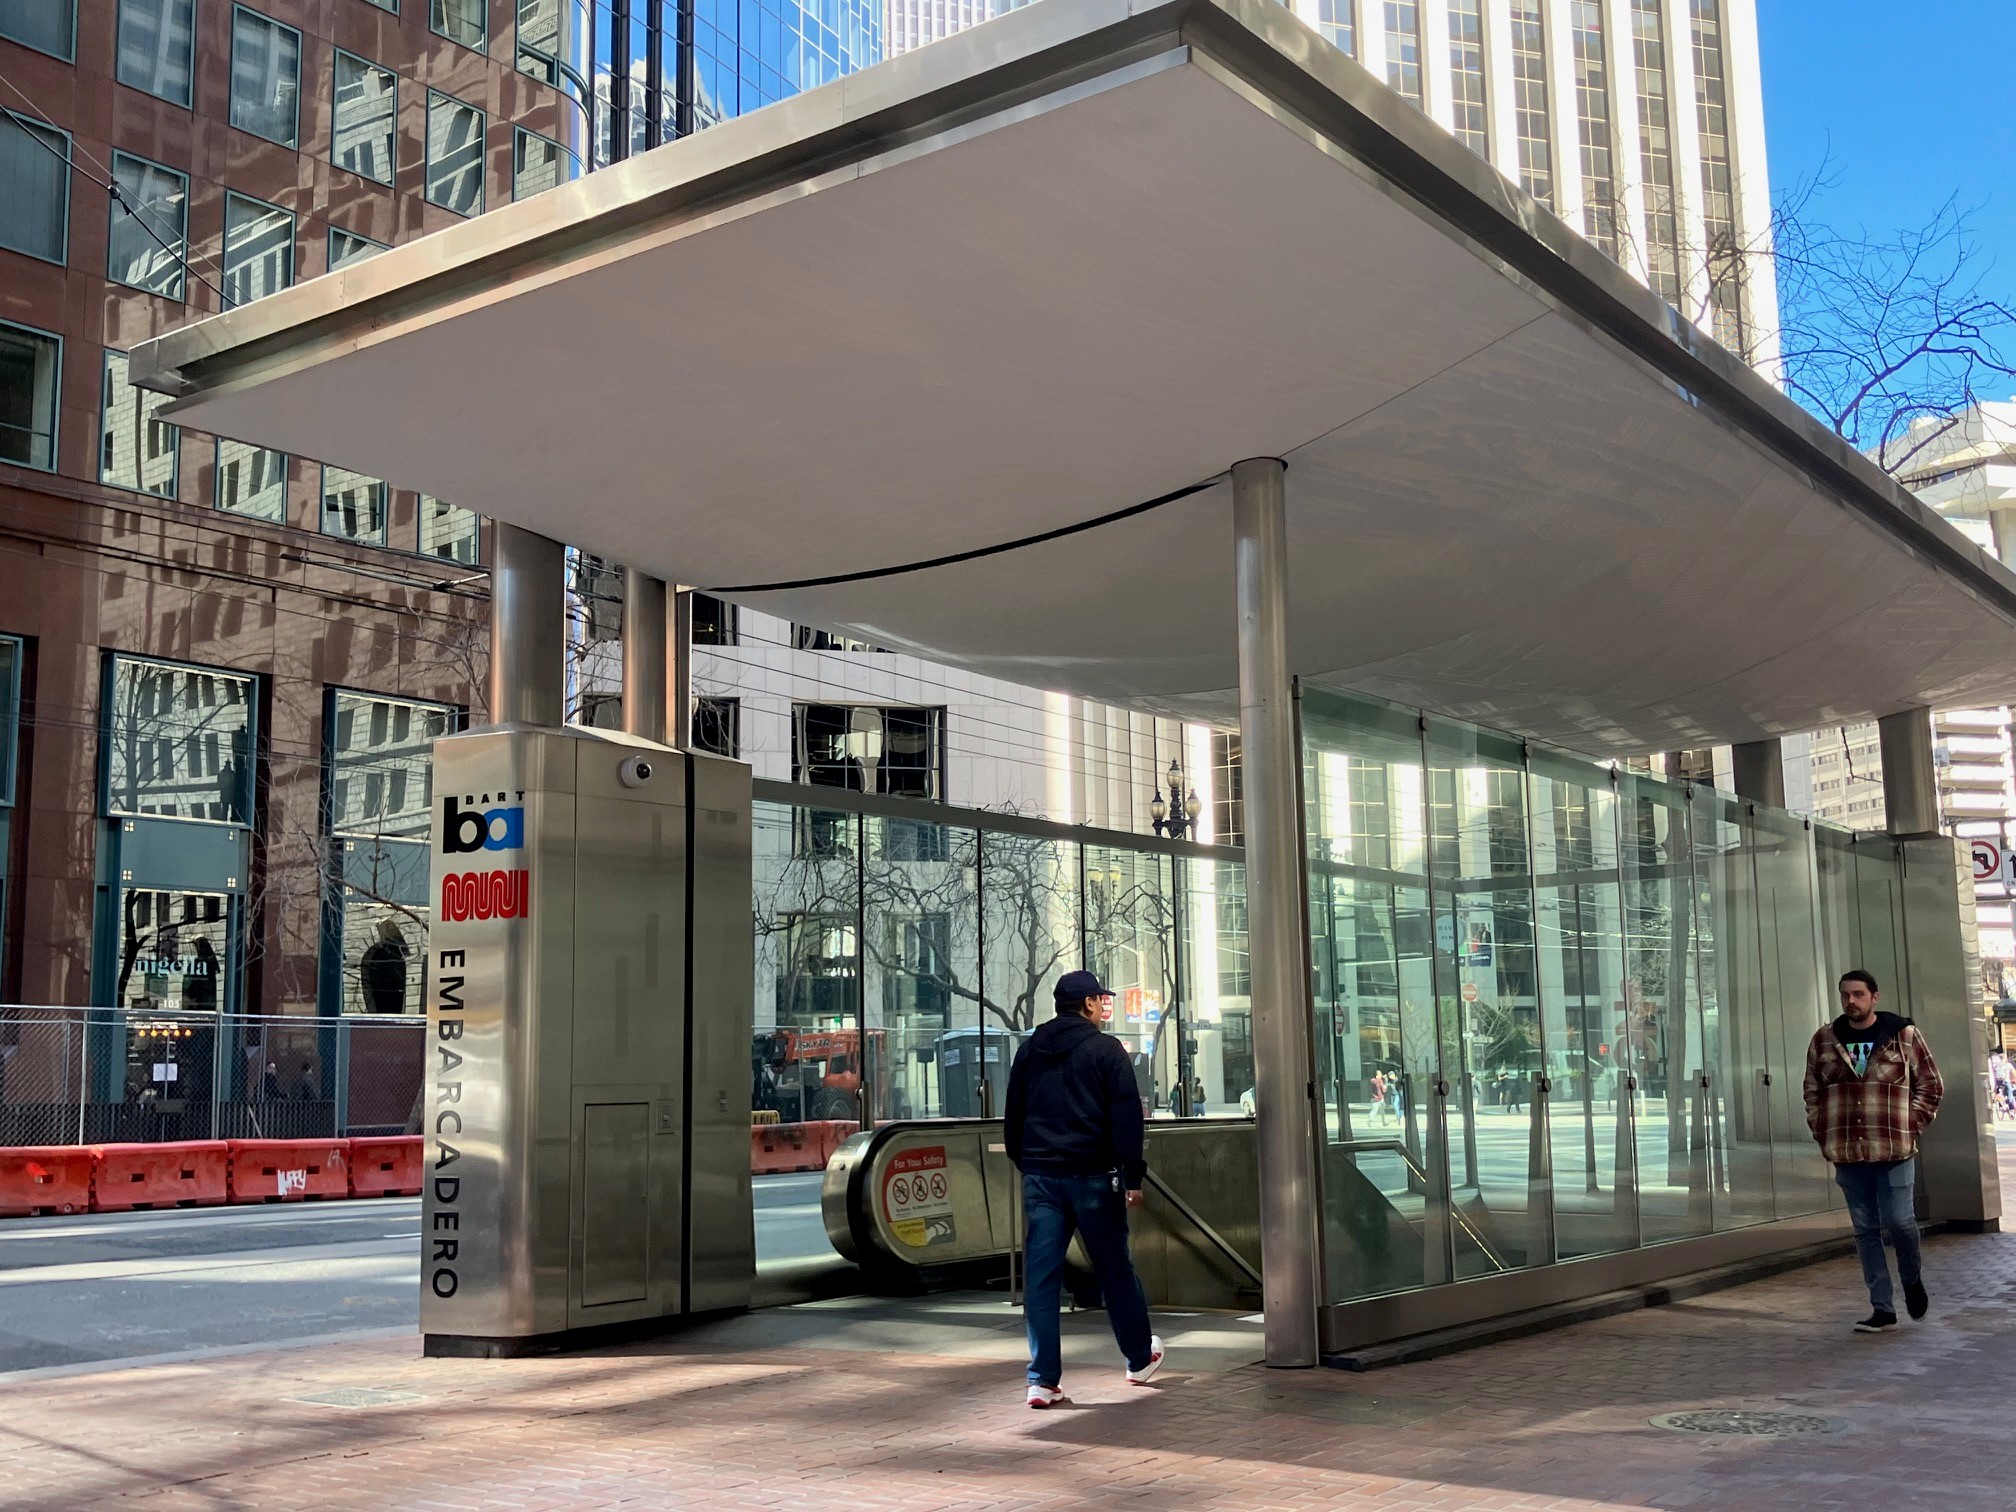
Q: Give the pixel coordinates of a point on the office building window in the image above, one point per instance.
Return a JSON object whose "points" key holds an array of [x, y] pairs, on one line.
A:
{"points": [[868, 749], [805, 638], [347, 247], [717, 726], [258, 250], [1403, 49], [1655, 150], [265, 78], [148, 243], [464, 21], [1469, 116], [353, 506], [363, 137], [251, 481], [178, 742], [385, 5], [716, 622], [31, 366], [380, 791], [1335, 20], [34, 187], [449, 531], [1718, 186], [48, 26], [454, 155], [157, 48], [136, 448], [539, 163], [1529, 101], [1592, 115]]}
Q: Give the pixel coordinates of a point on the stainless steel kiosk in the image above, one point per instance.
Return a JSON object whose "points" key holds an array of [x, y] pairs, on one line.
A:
{"points": [[588, 989]]}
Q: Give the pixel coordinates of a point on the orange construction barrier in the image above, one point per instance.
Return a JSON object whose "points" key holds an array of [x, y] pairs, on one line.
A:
{"points": [[289, 1170], [833, 1134], [191, 1173], [387, 1166], [775, 1149], [44, 1179]]}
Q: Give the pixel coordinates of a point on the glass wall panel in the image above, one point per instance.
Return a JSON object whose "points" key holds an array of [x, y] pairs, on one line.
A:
{"points": [[921, 917], [1663, 1045], [1218, 973], [1029, 912], [808, 963], [1799, 998], [1129, 941], [179, 742], [1487, 1003], [1579, 954], [1735, 1033]]}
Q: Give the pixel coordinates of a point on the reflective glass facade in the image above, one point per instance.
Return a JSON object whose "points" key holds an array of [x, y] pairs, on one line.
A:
{"points": [[1561, 1010]]}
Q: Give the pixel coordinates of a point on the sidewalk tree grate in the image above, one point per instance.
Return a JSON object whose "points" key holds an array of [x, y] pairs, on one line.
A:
{"points": [[358, 1396], [1749, 1424]]}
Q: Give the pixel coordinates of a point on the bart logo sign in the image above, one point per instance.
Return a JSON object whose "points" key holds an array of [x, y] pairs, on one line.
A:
{"points": [[472, 829], [466, 827]]}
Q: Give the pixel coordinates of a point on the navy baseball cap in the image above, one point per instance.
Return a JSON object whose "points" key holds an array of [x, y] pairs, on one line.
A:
{"points": [[1074, 985]]}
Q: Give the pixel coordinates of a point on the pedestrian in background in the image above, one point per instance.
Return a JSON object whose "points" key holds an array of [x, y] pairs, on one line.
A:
{"points": [[1871, 1088], [1075, 1132]]}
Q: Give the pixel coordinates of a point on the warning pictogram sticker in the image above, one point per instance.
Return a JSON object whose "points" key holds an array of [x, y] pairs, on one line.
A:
{"points": [[917, 1197]]}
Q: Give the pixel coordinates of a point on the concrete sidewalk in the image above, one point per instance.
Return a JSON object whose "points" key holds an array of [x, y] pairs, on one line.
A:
{"points": [[918, 1405]]}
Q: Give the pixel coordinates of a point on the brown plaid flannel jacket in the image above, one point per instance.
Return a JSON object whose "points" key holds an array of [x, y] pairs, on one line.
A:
{"points": [[1879, 1114]]}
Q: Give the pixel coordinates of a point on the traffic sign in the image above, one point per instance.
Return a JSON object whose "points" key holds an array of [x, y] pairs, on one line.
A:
{"points": [[1469, 992], [1992, 862]]}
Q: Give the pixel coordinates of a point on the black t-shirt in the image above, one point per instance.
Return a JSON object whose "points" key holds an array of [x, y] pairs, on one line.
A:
{"points": [[1859, 1044]]}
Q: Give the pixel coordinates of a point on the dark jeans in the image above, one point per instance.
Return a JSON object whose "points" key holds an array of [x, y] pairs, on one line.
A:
{"points": [[1053, 1208], [1880, 1196]]}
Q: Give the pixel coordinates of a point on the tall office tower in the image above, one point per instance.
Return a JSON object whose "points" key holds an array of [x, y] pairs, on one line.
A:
{"points": [[1964, 467]]}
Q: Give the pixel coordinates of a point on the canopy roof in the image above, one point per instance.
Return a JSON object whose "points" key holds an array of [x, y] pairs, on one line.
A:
{"points": [[1086, 255]]}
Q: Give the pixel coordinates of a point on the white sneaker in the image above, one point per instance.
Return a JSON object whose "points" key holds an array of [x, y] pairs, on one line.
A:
{"points": [[1048, 1396], [1141, 1377]]}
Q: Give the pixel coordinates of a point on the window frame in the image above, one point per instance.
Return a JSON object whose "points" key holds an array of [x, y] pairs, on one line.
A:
{"points": [[518, 136], [55, 395], [119, 49], [329, 263], [481, 45], [482, 156], [112, 210], [67, 57], [383, 537], [286, 516], [26, 121], [224, 247], [420, 533], [231, 90], [175, 475], [358, 58]]}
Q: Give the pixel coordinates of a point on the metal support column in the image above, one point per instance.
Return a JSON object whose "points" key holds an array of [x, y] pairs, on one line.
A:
{"points": [[528, 621], [1910, 790], [679, 692], [1759, 767], [1290, 1241], [644, 686]]}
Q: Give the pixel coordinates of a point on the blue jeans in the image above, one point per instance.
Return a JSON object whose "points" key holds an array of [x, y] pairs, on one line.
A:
{"points": [[1053, 1207], [1880, 1197]]}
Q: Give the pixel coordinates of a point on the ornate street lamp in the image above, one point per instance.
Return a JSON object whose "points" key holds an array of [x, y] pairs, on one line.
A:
{"points": [[1176, 816]]}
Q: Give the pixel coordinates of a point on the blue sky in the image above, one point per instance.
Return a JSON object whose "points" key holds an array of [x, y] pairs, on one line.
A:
{"points": [[1911, 110]]}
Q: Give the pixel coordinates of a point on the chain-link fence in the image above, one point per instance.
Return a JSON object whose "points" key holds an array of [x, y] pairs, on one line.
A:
{"points": [[100, 1075]]}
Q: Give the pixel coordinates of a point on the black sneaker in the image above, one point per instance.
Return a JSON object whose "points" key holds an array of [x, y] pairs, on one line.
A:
{"points": [[1877, 1322], [1915, 1300]]}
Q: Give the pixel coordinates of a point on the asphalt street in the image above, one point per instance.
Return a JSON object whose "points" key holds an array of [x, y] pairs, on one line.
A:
{"points": [[126, 1286]]}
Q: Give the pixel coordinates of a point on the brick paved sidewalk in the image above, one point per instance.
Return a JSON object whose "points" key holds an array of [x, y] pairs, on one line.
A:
{"points": [[857, 1414]]}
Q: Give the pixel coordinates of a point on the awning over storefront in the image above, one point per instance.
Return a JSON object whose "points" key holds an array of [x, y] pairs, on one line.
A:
{"points": [[1083, 257]]}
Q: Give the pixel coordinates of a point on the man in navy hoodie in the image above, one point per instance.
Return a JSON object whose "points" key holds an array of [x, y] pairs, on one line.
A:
{"points": [[1074, 1131]]}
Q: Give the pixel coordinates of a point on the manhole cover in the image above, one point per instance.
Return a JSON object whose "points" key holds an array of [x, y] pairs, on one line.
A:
{"points": [[1749, 1424], [358, 1396]]}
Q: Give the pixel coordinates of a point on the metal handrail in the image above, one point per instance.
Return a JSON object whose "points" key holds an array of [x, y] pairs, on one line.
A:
{"points": [[1217, 1240], [1395, 1147]]}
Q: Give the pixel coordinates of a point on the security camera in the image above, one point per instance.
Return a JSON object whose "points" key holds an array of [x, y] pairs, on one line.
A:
{"points": [[634, 772]]}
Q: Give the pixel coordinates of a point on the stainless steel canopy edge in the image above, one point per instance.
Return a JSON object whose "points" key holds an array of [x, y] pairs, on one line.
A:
{"points": [[589, 986]]}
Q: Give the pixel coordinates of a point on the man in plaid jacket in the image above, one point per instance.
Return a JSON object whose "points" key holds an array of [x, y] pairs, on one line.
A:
{"points": [[1871, 1088]]}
